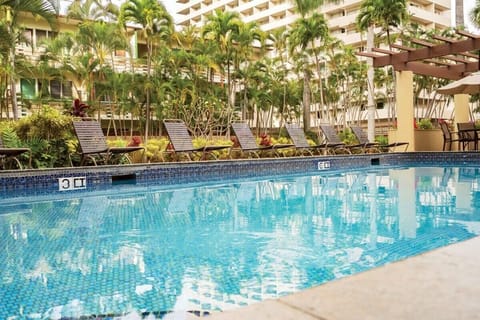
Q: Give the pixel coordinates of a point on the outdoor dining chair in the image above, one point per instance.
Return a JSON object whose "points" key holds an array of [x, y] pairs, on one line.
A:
{"points": [[468, 135], [449, 137]]}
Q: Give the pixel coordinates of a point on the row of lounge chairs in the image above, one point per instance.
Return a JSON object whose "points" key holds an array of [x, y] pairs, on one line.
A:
{"points": [[94, 147], [181, 141], [333, 144]]}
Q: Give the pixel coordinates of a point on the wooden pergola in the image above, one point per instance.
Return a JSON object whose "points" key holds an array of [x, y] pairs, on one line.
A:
{"points": [[449, 58], [446, 58]]}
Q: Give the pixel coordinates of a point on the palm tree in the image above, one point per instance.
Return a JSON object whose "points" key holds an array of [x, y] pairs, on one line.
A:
{"points": [[278, 38], [459, 18], [304, 7], [304, 34], [102, 39], [94, 10], [156, 24], [249, 37], [384, 14], [222, 28], [475, 14], [302, 37], [12, 9]]}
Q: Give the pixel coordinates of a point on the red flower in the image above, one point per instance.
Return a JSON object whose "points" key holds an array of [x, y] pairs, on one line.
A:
{"points": [[236, 144], [136, 141], [265, 140]]}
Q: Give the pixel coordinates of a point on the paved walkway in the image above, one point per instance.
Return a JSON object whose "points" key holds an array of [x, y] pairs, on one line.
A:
{"points": [[437, 285]]}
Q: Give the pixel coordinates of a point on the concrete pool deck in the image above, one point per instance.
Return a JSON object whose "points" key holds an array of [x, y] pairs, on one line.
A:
{"points": [[440, 284]]}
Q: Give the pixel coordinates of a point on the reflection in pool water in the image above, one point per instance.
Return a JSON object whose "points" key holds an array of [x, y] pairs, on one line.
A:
{"points": [[220, 246]]}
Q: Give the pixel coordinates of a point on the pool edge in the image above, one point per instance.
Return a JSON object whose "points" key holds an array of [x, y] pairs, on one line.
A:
{"points": [[439, 284]]}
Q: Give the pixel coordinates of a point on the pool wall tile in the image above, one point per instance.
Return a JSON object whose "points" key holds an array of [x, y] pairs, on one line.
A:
{"points": [[42, 181]]}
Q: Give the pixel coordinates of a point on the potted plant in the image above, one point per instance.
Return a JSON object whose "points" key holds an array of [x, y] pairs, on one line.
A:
{"points": [[427, 136]]}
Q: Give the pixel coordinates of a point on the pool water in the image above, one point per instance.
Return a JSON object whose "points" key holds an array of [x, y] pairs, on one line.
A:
{"points": [[188, 248]]}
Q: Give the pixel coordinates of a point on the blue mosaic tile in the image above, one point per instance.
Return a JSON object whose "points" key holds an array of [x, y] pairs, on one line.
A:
{"points": [[37, 182]]}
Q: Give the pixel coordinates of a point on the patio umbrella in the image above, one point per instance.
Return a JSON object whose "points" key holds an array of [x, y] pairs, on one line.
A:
{"points": [[469, 85]]}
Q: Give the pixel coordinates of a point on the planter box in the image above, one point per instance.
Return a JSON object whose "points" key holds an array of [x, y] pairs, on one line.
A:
{"points": [[428, 140], [425, 140]]}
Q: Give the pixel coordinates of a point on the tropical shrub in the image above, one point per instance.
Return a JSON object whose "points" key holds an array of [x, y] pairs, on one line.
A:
{"points": [[155, 148], [312, 137], [48, 133], [11, 140], [381, 140], [348, 137], [219, 154], [425, 124], [48, 123]]}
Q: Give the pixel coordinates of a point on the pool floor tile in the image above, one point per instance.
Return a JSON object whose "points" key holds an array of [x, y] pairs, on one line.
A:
{"points": [[440, 285]]}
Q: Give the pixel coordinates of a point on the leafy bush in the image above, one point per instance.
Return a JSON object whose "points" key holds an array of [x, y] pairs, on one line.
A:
{"points": [[47, 124], [117, 143], [155, 148], [312, 136], [381, 140], [219, 154], [348, 137], [11, 140], [9, 136], [49, 135], [425, 124]]}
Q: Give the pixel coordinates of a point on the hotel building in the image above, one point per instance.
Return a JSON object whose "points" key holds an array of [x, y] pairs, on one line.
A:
{"points": [[431, 14]]}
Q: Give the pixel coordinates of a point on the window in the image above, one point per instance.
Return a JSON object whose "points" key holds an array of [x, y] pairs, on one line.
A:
{"points": [[119, 53], [142, 50], [43, 87], [28, 37], [27, 87], [60, 89], [55, 89], [67, 89], [41, 37]]}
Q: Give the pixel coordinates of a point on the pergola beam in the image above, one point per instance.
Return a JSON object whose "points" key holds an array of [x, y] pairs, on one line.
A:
{"points": [[453, 72], [437, 51], [442, 38], [467, 34], [437, 62], [422, 43], [402, 47], [457, 59], [424, 61], [368, 54], [385, 51]]}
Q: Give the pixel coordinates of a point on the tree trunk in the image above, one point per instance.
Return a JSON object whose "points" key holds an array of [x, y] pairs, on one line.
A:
{"points": [[13, 85], [370, 76], [147, 106], [306, 100]]}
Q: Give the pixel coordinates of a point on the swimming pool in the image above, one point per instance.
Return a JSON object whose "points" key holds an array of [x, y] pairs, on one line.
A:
{"points": [[153, 249]]}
